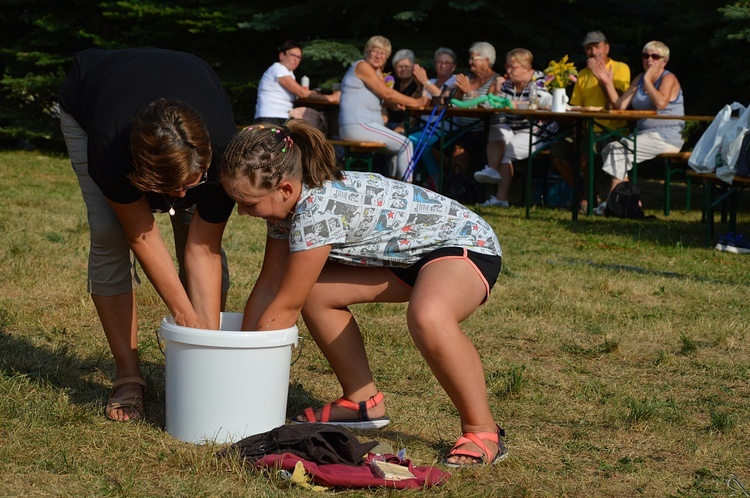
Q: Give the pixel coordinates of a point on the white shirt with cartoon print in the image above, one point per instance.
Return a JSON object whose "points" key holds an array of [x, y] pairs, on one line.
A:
{"points": [[370, 220]]}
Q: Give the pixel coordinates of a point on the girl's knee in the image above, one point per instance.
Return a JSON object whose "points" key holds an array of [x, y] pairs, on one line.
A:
{"points": [[426, 321]]}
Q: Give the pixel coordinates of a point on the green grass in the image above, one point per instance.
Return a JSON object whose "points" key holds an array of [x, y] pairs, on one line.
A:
{"points": [[616, 355]]}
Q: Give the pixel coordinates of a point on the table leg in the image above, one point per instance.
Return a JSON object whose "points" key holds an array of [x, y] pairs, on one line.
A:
{"points": [[590, 168], [529, 162]]}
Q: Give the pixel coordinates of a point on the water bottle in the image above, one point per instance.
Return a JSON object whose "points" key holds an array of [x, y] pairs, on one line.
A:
{"points": [[305, 82], [533, 95]]}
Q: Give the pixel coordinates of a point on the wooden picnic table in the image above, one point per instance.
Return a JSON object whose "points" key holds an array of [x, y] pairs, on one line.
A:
{"points": [[584, 119]]}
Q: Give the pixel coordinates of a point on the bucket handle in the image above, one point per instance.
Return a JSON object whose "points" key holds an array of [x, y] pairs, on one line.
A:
{"points": [[298, 345], [159, 342]]}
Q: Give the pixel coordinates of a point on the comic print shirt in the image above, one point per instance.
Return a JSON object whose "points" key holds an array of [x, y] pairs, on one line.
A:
{"points": [[370, 220]]}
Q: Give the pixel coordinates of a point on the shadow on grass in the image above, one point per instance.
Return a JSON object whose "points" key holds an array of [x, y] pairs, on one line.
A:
{"points": [[60, 366], [666, 230], [662, 232]]}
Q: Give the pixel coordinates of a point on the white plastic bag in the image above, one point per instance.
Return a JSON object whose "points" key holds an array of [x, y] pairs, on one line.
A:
{"points": [[732, 145], [707, 154]]}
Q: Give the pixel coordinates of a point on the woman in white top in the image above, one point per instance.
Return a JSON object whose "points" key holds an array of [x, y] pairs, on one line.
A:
{"points": [[279, 89], [361, 111]]}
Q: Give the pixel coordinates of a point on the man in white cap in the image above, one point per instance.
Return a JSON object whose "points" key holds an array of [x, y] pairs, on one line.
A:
{"points": [[598, 85]]}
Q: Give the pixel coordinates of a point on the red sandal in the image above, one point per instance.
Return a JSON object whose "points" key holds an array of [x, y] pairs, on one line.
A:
{"points": [[363, 422], [483, 457]]}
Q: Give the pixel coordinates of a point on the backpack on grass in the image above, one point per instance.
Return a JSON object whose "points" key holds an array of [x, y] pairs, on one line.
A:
{"points": [[625, 202]]}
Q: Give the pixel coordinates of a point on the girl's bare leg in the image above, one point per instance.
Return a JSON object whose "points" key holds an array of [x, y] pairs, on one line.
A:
{"points": [[445, 294], [336, 332]]}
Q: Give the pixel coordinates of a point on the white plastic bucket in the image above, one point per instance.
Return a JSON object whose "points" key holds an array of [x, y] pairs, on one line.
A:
{"points": [[224, 385]]}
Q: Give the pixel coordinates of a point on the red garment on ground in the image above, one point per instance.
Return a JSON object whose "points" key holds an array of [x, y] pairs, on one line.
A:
{"points": [[348, 476]]}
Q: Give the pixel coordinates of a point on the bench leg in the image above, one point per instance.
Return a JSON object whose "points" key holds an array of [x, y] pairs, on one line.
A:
{"points": [[708, 211], [352, 159], [667, 187], [725, 194], [733, 206]]}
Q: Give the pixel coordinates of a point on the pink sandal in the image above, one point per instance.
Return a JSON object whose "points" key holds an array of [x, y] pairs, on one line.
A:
{"points": [[483, 457], [363, 422]]}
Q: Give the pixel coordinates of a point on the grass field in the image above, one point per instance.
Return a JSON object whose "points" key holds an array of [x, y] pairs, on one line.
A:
{"points": [[615, 351]]}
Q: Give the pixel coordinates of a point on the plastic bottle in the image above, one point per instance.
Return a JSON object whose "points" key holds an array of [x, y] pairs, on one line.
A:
{"points": [[305, 82], [533, 95]]}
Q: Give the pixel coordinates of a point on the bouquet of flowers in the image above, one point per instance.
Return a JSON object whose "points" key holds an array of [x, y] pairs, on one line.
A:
{"points": [[560, 74]]}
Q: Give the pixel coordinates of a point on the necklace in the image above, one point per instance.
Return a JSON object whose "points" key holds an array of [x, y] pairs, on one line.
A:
{"points": [[171, 205]]}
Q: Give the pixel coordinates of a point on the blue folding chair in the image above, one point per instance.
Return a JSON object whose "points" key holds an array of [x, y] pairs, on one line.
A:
{"points": [[424, 139]]}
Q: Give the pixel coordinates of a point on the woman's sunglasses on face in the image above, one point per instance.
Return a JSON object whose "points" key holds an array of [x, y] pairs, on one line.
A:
{"points": [[646, 56], [185, 188]]}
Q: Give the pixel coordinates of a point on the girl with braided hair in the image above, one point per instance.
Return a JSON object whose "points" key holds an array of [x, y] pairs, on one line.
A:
{"points": [[341, 238]]}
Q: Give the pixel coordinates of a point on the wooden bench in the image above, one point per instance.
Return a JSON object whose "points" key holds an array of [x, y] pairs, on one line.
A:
{"points": [[726, 192], [358, 155], [674, 163]]}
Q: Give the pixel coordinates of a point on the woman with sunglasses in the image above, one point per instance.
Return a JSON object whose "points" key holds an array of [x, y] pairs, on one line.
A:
{"points": [[278, 88], [145, 130], [657, 89]]}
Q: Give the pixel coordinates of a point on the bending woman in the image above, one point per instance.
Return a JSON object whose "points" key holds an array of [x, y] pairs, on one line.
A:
{"points": [[361, 111], [145, 130]]}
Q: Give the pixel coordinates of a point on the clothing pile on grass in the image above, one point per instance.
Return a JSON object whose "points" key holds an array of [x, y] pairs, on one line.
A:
{"points": [[320, 456]]}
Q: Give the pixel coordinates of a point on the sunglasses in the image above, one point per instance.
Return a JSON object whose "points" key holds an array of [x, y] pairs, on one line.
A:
{"points": [[646, 56], [185, 188]]}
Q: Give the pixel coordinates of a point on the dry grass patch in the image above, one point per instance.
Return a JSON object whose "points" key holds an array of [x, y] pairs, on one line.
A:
{"points": [[616, 355]]}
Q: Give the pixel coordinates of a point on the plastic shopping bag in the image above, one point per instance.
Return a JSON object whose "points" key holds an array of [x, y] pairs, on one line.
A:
{"points": [[732, 146], [707, 154]]}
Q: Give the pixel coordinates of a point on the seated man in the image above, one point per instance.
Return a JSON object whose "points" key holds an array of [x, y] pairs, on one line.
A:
{"points": [[600, 84]]}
